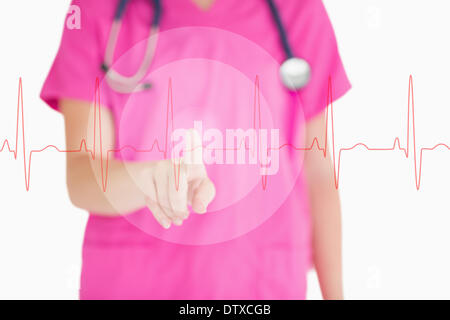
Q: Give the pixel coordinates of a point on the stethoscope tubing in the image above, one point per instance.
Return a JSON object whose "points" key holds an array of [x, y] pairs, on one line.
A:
{"points": [[294, 72], [281, 30]]}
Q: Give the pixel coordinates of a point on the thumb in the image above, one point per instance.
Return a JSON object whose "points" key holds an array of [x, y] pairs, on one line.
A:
{"points": [[203, 195], [193, 148]]}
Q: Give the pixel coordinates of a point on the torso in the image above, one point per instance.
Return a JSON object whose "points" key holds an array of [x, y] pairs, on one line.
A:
{"points": [[219, 67]]}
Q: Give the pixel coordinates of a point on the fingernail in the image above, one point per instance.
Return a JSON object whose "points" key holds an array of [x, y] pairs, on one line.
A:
{"points": [[166, 224], [178, 222], [201, 207]]}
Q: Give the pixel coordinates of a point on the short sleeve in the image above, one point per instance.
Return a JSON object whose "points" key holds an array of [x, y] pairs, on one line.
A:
{"points": [[77, 64], [313, 39]]}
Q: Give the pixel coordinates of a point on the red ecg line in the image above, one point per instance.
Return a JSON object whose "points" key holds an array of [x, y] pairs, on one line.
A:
{"points": [[336, 153]]}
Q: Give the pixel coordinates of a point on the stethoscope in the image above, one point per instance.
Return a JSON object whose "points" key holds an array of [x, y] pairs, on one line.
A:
{"points": [[294, 72]]}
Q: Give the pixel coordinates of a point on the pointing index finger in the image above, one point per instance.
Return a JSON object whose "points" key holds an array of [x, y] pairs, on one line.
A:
{"points": [[193, 155]]}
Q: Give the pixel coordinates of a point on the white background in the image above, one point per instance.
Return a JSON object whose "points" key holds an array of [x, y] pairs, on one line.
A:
{"points": [[395, 237]]}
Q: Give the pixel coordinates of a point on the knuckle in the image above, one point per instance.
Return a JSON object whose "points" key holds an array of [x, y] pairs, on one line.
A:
{"points": [[179, 205], [150, 202], [161, 167], [213, 187]]}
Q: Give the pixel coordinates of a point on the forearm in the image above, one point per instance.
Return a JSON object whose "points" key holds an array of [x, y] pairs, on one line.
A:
{"points": [[326, 235], [112, 187], [124, 182]]}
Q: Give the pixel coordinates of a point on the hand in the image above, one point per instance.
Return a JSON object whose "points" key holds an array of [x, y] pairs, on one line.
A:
{"points": [[177, 183]]}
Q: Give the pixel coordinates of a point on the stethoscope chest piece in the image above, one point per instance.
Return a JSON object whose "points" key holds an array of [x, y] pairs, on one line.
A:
{"points": [[295, 73]]}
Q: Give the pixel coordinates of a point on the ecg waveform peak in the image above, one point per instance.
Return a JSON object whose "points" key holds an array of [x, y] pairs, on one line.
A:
{"points": [[411, 147]]}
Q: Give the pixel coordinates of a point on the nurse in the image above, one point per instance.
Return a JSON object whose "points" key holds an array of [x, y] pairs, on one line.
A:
{"points": [[160, 228]]}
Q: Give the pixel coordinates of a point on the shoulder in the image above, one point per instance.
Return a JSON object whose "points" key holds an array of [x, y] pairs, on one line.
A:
{"points": [[299, 13], [93, 5], [95, 10], [88, 21], [296, 5], [306, 18]]}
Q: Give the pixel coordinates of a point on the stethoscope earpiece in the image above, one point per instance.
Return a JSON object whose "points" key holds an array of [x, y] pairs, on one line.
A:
{"points": [[295, 73]]}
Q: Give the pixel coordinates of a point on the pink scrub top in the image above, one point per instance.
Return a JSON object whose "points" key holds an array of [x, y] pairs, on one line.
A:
{"points": [[216, 70]]}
